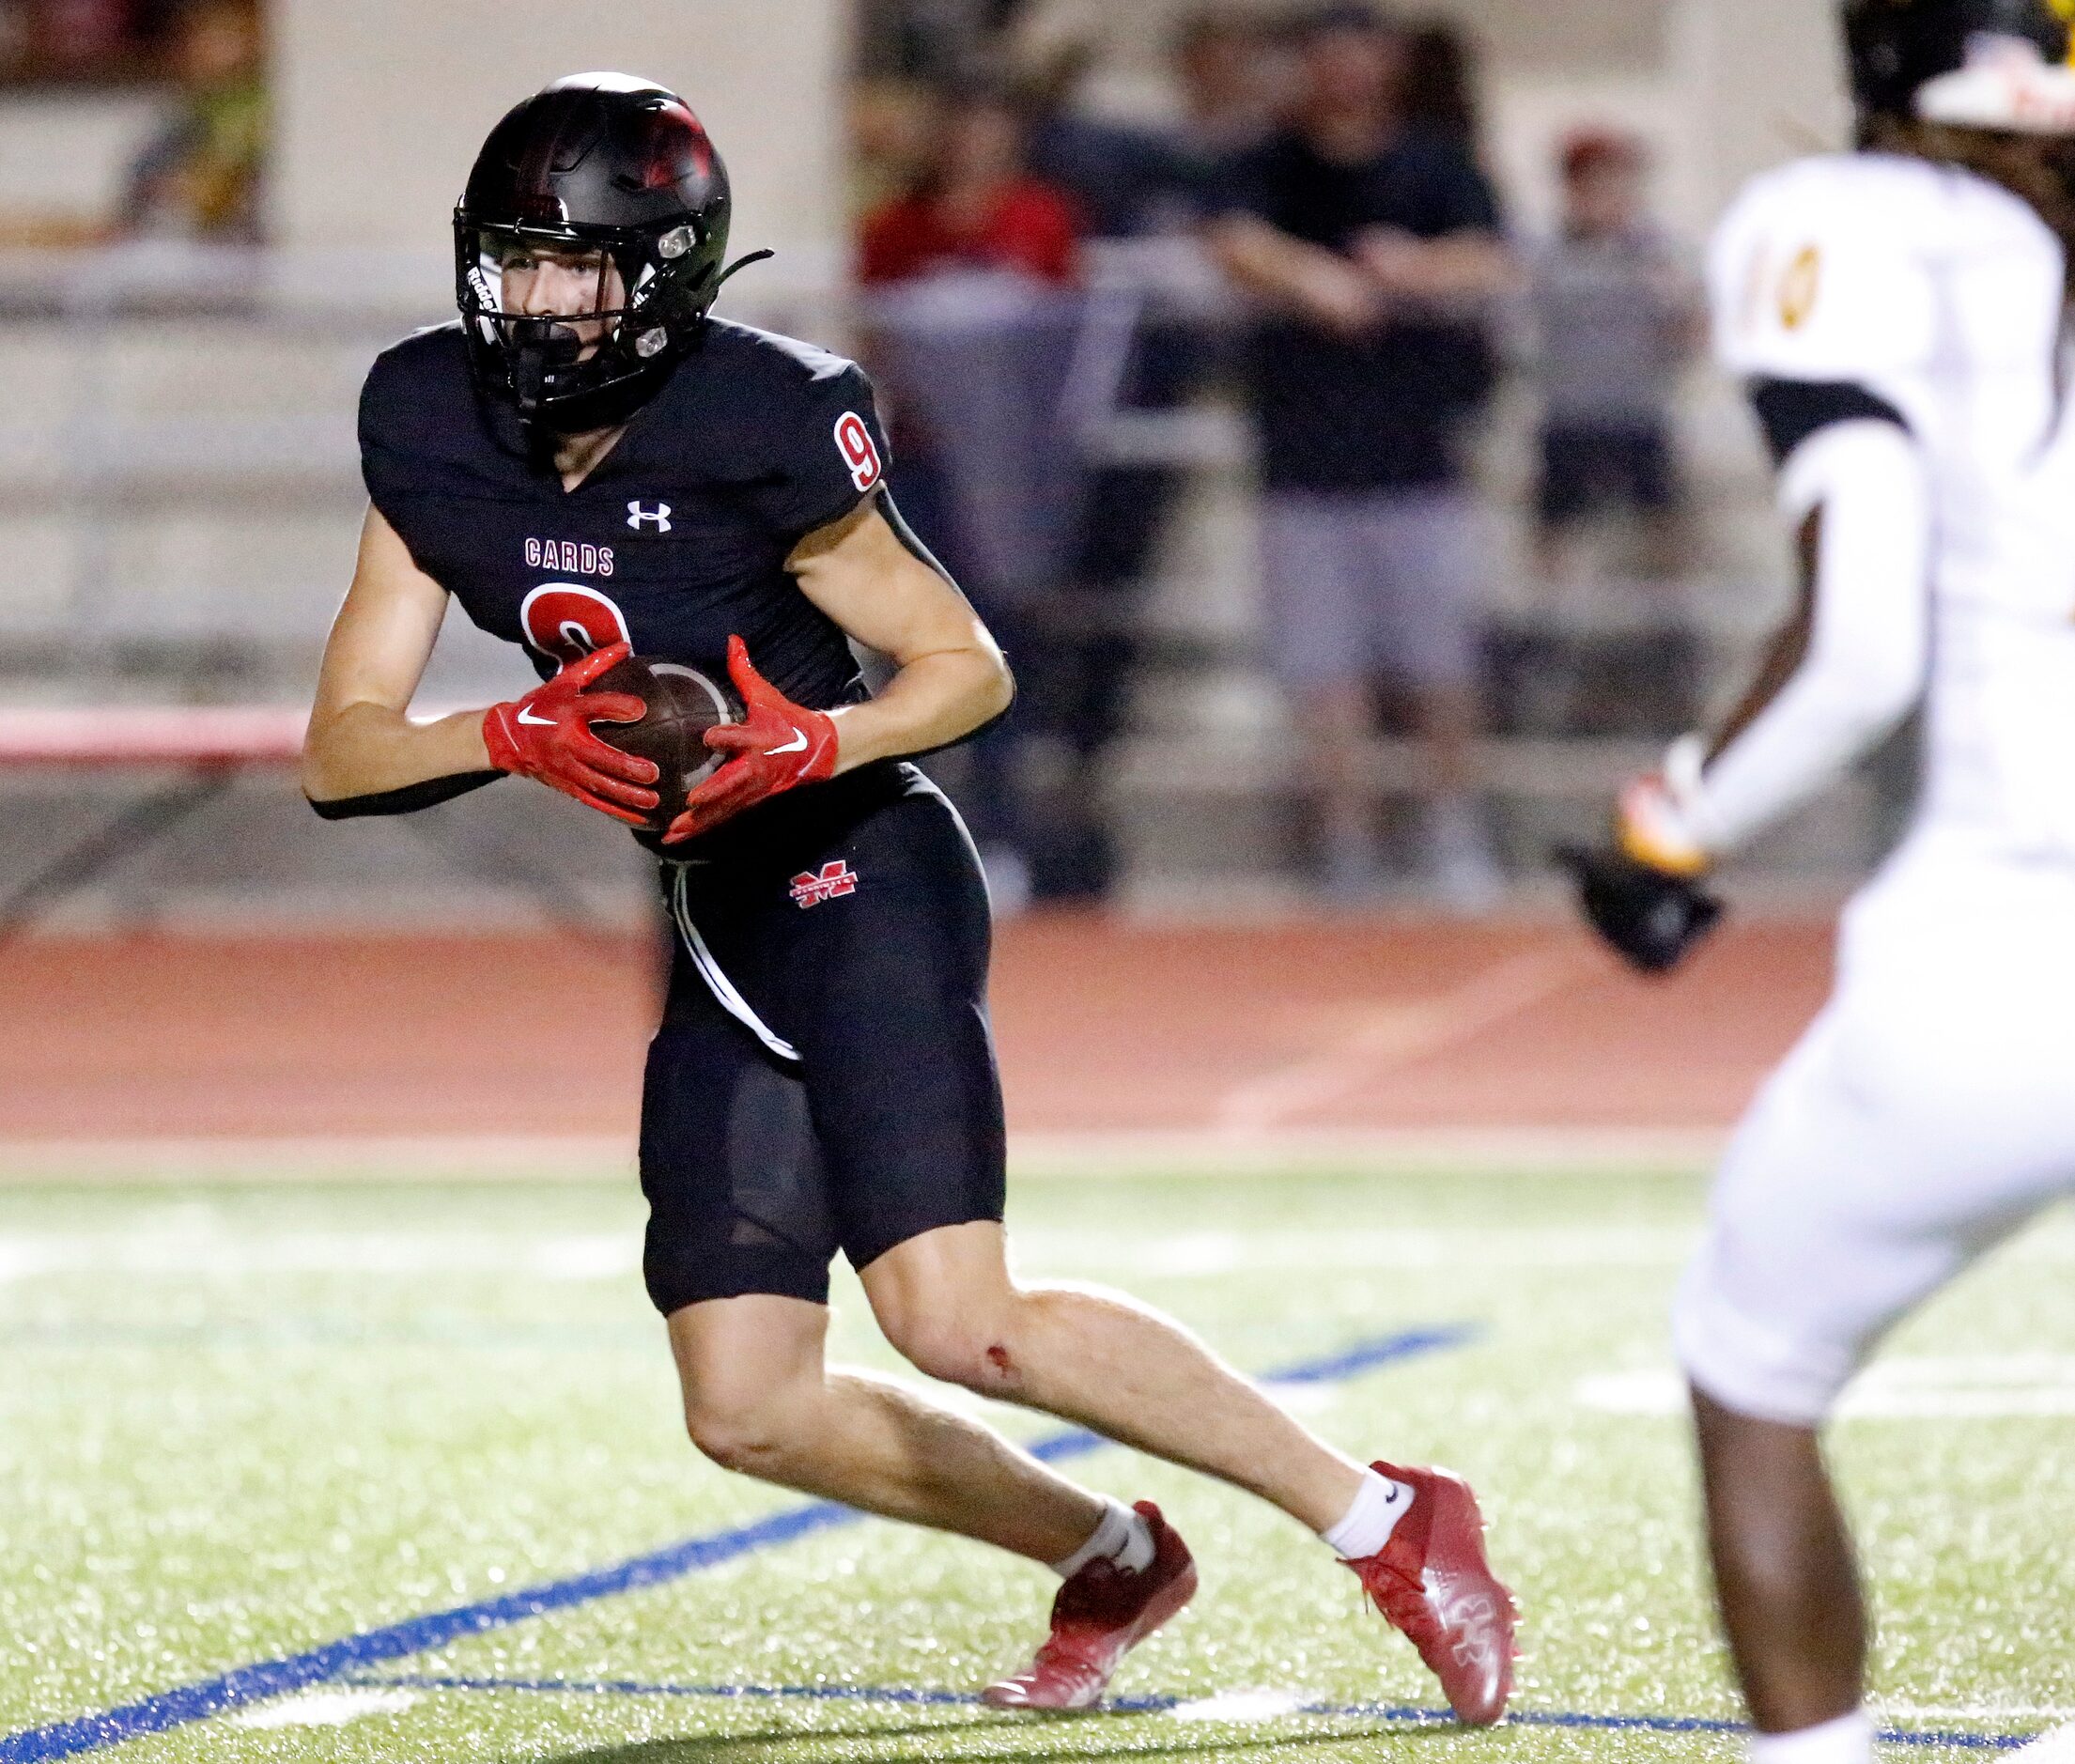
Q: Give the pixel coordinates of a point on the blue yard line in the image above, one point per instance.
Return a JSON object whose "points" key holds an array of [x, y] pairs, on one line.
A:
{"points": [[373, 1647], [1147, 1706], [1371, 1354]]}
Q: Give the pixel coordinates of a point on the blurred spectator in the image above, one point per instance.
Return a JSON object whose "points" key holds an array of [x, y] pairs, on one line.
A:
{"points": [[67, 39], [200, 179], [1440, 86], [1374, 248], [1131, 180], [894, 122], [929, 39], [1126, 179], [1229, 77], [84, 43], [973, 205], [1618, 317], [972, 275]]}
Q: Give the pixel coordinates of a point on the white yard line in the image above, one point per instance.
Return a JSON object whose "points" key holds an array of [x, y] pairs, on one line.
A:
{"points": [[191, 1243], [1187, 1255], [1939, 1388], [1390, 1036], [1241, 1706], [2056, 1747], [324, 1708]]}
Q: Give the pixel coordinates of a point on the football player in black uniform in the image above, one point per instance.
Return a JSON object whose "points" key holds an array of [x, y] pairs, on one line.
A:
{"points": [[589, 461]]}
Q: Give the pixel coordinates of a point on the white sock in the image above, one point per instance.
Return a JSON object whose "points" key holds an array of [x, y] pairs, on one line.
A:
{"points": [[1123, 1536], [1848, 1739], [1379, 1504]]}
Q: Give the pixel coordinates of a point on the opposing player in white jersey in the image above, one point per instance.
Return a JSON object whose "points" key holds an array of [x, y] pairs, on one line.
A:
{"points": [[1898, 314]]}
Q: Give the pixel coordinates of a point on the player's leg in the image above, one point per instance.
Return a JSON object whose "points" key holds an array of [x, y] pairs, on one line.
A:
{"points": [[1785, 1576], [946, 1300], [740, 1240], [901, 1078], [1880, 1159], [1765, 1368], [1415, 1537], [759, 1401]]}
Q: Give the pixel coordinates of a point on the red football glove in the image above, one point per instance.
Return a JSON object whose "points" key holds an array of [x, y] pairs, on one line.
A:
{"points": [[777, 745], [547, 734]]}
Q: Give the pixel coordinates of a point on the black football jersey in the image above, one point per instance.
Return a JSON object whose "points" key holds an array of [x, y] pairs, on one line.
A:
{"points": [[677, 540]]}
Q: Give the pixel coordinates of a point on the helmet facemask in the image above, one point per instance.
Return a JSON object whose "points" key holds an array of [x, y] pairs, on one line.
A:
{"points": [[624, 308]]}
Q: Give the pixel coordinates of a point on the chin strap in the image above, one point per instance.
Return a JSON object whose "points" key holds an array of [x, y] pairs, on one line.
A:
{"points": [[740, 263]]}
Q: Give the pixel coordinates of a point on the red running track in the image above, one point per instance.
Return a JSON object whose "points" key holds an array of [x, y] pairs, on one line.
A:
{"points": [[1105, 1025]]}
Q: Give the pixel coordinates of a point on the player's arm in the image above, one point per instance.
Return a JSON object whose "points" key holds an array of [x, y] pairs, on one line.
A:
{"points": [[362, 741], [883, 590], [1849, 664], [365, 755], [869, 574], [1846, 668]]}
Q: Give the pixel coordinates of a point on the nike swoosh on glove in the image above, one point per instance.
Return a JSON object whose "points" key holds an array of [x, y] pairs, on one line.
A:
{"points": [[777, 746], [546, 736]]}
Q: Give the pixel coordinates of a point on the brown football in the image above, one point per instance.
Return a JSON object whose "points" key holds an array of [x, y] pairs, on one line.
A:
{"points": [[683, 703]]}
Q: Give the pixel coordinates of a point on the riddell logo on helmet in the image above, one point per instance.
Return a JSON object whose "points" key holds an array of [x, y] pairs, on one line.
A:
{"points": [[832, 881]]}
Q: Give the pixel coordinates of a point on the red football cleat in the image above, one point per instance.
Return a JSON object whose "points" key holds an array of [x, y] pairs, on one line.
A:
{"points": [[1099, 1617], [1432, 1582]]}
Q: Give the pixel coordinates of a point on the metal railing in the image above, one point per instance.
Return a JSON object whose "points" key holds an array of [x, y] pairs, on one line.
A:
{"points": [[172, 396]]}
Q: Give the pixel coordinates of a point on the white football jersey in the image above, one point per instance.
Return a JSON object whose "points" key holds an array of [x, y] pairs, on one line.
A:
{"points": [[1942, 294]]}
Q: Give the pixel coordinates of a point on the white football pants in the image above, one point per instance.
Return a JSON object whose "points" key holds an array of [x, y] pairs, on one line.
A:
{"points": [[1925, 1115]]}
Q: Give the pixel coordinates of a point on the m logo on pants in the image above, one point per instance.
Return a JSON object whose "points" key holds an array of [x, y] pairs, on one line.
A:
{"points": [[832, 881]]}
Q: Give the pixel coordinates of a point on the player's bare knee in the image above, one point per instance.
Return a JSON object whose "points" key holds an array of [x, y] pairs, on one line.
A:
{"points": [[997, 1370], [953, 1350], [752, 1439], [941, 1349], [734, 1445]]}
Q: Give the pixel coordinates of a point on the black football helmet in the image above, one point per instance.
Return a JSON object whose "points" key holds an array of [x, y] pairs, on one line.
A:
{"points": [[1999, 65], [595, 164]]}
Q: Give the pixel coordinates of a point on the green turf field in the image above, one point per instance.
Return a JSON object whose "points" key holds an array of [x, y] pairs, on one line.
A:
{"points": [[238, 1423]]}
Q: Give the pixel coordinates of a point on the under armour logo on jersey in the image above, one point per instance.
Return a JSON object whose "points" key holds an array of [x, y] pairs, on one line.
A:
{"points": [[832, 881], [637, 516]]}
